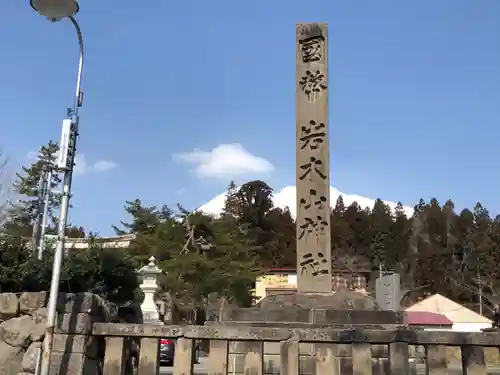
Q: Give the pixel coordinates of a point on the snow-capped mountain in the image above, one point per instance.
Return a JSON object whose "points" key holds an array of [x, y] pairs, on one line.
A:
{"points": [[286, 198]]}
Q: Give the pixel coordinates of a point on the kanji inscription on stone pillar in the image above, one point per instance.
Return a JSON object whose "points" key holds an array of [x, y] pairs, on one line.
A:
{"points": [[314, 260]]}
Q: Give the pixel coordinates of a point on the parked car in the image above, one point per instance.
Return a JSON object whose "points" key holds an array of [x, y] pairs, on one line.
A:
{"points": [[167, 351]]}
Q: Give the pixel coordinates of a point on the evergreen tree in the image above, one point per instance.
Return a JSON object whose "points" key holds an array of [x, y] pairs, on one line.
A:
{"points": [[23, 213], [281, 246], [5, 189], [399, 254], [144, 225], [436, 250], [231, 205], [252, 209], [381, 224], [75, 232], [358, 236], [225, 269], [341, 238], [488, 273]]}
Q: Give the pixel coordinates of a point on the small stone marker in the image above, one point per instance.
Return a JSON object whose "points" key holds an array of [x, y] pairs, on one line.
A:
{"points": [[388, 292]]}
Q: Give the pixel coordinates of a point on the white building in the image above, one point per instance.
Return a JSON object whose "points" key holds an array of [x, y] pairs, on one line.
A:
{"points": [[463, 319], [84, 243]]}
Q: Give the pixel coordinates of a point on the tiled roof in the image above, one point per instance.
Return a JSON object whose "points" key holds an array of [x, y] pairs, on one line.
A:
{"points": [[424, 318]]}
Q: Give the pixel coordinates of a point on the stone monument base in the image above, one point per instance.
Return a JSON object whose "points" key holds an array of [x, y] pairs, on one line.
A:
{"points": [[342, 309]]}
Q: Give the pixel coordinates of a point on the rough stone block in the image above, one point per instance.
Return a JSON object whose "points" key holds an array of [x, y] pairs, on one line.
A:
{"points": [[31, 301], [75, 323], [68, 303], [9, 306], [20, 332], [31, 357], [10, 359], [74, 364], [82, 344]]}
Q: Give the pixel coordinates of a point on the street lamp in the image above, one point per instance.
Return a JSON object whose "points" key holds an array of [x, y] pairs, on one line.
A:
{"points": [[56, 10]]}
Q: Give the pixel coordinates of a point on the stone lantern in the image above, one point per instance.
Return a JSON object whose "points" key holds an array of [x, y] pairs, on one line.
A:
{"points": [[149, 275]]}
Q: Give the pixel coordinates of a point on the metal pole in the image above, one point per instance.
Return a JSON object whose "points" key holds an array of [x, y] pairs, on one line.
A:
{"points": [[35, 235], [63, 218], [47, 188], [480, 291]]}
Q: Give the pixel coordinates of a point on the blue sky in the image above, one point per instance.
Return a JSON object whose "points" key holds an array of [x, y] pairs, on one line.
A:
{"points": [[414, 98]]}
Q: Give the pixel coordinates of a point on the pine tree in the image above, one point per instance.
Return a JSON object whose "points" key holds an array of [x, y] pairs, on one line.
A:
{"points": [[144, 225], [281, 247], [380, 227], [251, 207], [399, 253], [75, 232], [226, 269], [340, 230], [358, 236], [231, 205], [488, 277], [480, 249], [339, 206], [253, 202], [5, 189], [24, 212]]}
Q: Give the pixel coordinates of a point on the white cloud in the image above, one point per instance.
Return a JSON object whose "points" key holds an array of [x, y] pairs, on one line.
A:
{"points": [[180, 191], [32, 156], [226, 161], [81, 164], [286, 198], [83, 167], [104, 165]]}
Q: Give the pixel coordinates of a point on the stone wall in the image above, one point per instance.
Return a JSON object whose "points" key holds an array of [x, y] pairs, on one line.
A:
{"points": [[75, 351]]}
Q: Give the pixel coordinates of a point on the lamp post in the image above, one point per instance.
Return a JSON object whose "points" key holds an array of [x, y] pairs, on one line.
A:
{"points": [[56, 10]]}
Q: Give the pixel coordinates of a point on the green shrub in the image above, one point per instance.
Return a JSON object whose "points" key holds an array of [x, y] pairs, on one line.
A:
{"points": [[108, 272]]}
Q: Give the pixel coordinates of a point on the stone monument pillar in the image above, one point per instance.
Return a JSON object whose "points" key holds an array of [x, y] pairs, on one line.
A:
{"points": [[149, 286], [314, 258], [315, 303]]}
